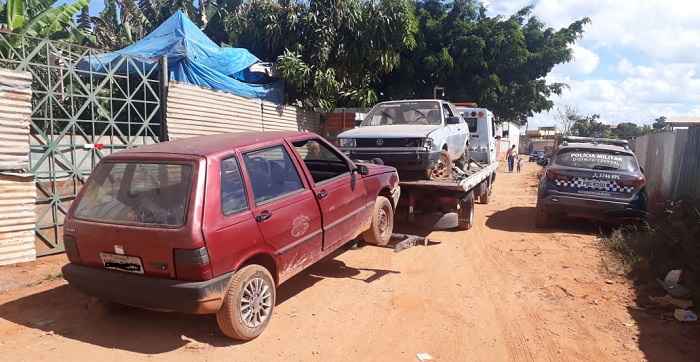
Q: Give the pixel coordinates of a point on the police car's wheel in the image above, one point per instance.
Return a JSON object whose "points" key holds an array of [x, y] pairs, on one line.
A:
{"points": [[542, 218]]}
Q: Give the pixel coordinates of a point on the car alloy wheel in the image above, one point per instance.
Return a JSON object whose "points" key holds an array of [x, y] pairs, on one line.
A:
{"points": [[256, 302]]}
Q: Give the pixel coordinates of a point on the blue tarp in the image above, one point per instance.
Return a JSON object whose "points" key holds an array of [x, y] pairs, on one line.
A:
{"points": [[192, 58]]}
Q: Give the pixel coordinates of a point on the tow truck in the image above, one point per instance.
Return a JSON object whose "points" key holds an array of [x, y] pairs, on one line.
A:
{"points": [[446, 199]]}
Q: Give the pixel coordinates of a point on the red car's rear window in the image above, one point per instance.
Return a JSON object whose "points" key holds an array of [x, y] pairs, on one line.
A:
{"points": [[137, 193]]}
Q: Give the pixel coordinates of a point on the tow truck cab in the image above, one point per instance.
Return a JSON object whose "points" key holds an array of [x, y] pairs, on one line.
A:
{"points": [[482, 130]]}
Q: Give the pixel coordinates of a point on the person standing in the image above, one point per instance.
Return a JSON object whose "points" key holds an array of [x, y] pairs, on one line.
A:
{"points": [[510, 157]]}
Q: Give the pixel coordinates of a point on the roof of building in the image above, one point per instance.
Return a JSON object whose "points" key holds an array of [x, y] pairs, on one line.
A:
{"points": [[684, 120], [213, 144]]}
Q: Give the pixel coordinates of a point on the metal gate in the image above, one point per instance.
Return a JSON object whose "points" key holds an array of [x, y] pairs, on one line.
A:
{"points": [[79, 114]]}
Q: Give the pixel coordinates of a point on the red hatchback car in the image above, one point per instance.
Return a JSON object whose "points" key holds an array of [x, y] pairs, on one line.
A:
{"points": [[214, 224]]}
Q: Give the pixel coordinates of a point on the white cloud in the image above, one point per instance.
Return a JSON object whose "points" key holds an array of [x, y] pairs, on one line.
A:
{"points": [[662, 29], [584, 61], [638, 59], [644, 94], [666, 30]]}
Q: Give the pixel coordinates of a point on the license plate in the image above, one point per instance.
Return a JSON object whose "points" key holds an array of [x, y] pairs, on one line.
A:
{"points": [[595, 184], [125, 263]]}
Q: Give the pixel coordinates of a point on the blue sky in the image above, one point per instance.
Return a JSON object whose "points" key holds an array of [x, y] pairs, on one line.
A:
{"points": [[637, 60]]}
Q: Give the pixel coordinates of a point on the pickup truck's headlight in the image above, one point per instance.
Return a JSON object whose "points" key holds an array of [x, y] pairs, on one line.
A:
{"points": [[347, 142], [428, 143]]}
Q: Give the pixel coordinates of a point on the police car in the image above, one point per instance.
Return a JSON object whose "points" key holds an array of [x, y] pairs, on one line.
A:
{"points": [[593, 178]]}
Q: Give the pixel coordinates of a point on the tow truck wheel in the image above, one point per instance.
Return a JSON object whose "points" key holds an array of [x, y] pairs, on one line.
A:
{"points": [[379, 233], [248, 303], [465, 214], [485, 194]]}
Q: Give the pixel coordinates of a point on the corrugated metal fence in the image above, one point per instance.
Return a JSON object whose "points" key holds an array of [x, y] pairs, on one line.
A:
{"points": [[195, 111], [671, 165], [689, 180], [15, 114], [17, 193]]}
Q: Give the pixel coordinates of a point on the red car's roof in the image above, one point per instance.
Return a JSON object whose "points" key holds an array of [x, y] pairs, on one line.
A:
{"points": [[212, 144]]}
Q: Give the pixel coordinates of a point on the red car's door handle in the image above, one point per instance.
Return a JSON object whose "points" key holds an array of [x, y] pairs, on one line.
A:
{"points": [[322, 194], [263, 216]]}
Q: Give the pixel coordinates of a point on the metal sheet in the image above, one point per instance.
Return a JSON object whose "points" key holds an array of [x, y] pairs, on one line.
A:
{"points": [[15, 115], [17, 219], [279, 117], [194, 111]]}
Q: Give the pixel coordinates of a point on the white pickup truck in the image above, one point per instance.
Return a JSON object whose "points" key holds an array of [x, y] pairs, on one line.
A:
{"points": [[419, 137], [414, 136]]}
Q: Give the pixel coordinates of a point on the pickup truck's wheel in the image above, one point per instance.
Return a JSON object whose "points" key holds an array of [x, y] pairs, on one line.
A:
{"points": [[248, 303], [442, 170], [379, 233], [463, 161], [465, 214]]}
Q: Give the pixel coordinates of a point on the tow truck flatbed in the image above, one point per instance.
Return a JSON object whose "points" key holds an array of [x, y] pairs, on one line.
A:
{"points": [[448, 204], [472, 177]]}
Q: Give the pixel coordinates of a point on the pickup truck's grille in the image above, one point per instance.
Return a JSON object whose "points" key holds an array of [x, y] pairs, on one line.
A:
{"points": [[389, 142]]}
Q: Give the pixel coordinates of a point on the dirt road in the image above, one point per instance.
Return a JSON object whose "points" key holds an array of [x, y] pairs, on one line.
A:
{"points": [[503, 291]]}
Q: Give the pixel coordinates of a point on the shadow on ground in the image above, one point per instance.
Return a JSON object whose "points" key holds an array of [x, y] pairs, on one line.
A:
{"points": [[521, 219], [66, 312]]}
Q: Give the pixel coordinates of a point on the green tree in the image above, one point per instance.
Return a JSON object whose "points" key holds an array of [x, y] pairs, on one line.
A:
{"points": [[659, 123], [330, 52], [591, 126], [566, 118], [500, 62], [629, 130], [120, 24], [43, 18], [84, 21]]}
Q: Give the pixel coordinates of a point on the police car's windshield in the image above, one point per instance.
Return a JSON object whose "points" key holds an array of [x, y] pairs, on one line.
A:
{"points": [[597, 160], [404, 113]]}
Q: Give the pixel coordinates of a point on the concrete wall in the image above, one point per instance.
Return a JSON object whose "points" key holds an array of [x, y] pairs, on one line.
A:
{"points": [[17, 192], [670, 162], [195, 111]]}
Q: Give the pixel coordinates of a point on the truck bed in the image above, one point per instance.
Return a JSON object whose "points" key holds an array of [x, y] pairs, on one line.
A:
{"points": [[473, 177]]}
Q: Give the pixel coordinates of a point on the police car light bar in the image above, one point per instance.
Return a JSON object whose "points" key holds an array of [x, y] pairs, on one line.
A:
{"points": [[608, 141]]}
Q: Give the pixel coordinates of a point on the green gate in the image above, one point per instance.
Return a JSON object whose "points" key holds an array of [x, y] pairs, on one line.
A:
{"points": [[80, 114]]}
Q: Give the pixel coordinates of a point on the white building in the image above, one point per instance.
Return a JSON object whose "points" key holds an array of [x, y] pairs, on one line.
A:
{"points": [[509, 134]]}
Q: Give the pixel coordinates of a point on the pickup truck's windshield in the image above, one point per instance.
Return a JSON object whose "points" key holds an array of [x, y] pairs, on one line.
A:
{"points": [[404, 113], [597, 160], [137, 193]]}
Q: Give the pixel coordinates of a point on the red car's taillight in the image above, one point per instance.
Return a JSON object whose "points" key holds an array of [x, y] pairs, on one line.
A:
{"points": [[71, 249], [192, 264]]}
